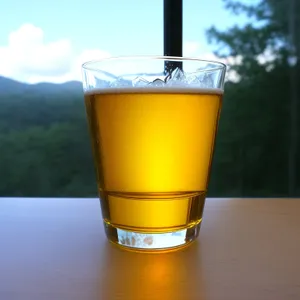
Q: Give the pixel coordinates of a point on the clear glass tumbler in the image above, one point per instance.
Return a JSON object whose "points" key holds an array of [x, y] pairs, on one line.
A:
{"points": [[153, 124]]}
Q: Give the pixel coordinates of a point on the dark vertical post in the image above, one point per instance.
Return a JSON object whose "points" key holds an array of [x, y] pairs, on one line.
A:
{"points": [[172, 33]]}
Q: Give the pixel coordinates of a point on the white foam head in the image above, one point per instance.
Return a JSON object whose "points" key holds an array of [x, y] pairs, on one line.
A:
{"points": [[156, 90]]}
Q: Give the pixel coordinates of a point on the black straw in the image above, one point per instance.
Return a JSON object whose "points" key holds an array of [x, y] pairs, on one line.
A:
{"points": [[172, 33]]}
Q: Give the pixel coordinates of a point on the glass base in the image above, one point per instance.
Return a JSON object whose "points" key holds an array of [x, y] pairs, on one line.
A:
{"points": [[151, 242]]}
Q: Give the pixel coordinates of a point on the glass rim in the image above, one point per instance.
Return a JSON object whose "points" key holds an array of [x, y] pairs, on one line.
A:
{"points": [[88, 65]]}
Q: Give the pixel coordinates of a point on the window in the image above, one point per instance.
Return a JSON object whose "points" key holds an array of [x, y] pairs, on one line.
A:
{"points": [[44, 141]]}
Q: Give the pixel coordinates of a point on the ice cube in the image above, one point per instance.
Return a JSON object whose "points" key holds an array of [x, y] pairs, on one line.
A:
{"points": [[102, 83], [177, 74], [121, 82], [177, 77], [168, 77], [207, 81], [140, 82], [193, 80], [157, 82]]}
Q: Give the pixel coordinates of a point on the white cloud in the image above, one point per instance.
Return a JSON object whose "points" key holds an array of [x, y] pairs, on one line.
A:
{"points": [[74, 70], [195, 49], [27, 57], [190, 48]]}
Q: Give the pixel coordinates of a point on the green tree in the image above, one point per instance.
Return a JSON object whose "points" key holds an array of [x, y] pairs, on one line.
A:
{"points": [[44, 146], [257, 144]]}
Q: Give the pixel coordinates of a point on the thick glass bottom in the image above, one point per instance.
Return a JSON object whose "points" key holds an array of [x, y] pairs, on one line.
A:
{"points": [[151, 242]]}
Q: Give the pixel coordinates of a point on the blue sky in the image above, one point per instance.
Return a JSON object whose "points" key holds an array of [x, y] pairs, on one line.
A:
{"points": [[47, 40]]}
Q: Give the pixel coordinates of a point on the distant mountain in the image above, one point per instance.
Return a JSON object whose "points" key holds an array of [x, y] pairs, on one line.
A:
{"points": [[13, 87], [75, 86], [8, 86]]}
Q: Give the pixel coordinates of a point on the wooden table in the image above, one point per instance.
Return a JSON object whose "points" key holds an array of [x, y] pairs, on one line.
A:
{"points": [[55, 249]]}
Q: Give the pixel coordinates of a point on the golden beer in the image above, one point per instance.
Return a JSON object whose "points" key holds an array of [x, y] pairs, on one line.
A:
{"points": [[153, 150]]}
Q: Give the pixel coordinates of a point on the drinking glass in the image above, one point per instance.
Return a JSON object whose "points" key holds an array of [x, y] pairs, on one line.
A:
{"points": [[153, 124]]}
